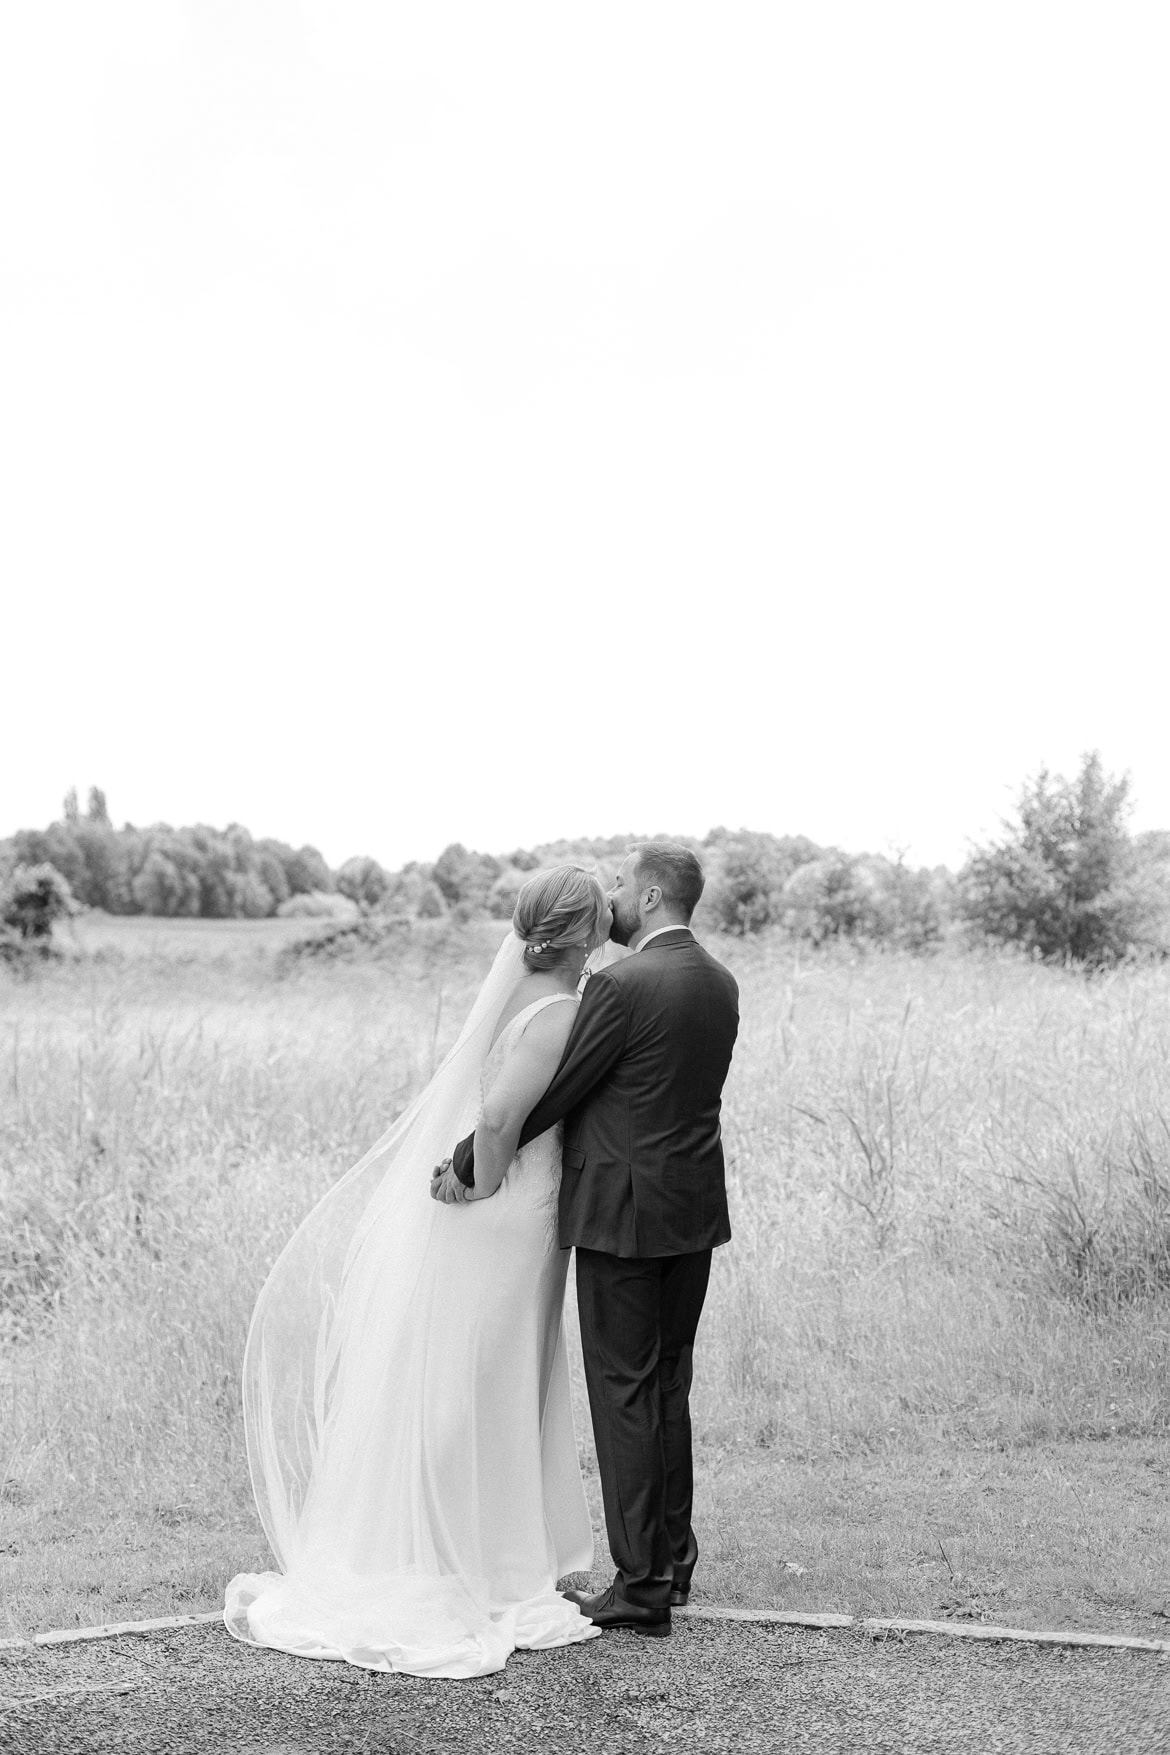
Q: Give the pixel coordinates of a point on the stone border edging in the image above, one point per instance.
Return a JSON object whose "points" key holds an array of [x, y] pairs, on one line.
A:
{"points": [[951, 1629], [111, 1629], [776, 1617]]}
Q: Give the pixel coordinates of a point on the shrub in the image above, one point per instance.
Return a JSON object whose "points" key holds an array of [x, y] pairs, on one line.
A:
{"points": [[363, 880], [747, 875], [505, 891], [369, 935], [32, 899], [1066, 882], [318, 905], [465, 878]]}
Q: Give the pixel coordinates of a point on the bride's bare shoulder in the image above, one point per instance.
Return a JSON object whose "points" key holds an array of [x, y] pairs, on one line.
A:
{"points": [[526, 992], [542, 1038]]}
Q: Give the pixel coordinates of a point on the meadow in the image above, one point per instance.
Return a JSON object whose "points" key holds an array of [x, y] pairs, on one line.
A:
{"points": [[934, 1371]]}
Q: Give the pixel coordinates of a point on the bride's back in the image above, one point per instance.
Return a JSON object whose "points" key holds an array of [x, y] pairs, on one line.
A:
{"points": [[529, 988]]}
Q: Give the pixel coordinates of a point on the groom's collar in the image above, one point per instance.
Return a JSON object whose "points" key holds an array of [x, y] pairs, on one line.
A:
{"points": [[676, 926]]}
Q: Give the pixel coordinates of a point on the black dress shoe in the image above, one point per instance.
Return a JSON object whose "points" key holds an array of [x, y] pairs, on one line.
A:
{"points": [[608, 1609], [681, 1589]]}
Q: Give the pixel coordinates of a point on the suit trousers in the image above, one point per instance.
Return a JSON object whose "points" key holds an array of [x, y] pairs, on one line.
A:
{"points": [[638, 1324]]}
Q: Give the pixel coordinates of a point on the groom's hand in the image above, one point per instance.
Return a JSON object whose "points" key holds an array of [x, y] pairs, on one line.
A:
{"points": [[462, 1161], [446, 1186]]}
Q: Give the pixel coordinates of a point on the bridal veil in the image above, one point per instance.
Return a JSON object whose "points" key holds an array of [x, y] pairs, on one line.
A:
{"points": [[420, 1496]]}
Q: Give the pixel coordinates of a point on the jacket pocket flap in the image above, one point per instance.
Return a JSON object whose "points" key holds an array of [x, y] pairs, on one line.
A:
{"points": [[572, 1158]]}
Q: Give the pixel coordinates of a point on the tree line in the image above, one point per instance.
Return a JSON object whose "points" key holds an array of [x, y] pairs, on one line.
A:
{"points": [[1065, 881]]}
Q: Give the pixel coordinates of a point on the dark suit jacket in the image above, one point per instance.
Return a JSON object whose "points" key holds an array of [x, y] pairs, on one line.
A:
{"points": [[639, 1090]]}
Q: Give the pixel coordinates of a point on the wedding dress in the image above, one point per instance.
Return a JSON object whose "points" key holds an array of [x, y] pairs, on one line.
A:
{"points": [[407, 1408]]}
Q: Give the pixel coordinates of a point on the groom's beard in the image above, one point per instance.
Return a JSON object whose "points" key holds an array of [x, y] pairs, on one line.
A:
{"points": [[621, 931]]}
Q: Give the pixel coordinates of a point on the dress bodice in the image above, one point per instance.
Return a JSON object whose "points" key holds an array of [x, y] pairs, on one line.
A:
{"points": [[511, 1034], [534, 1174]]}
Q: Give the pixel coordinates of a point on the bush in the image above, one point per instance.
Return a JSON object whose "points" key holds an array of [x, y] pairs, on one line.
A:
{"points": [[32, 899], [1066, 881], [465, 879], [505, 891], [369, 935], [363, 880], [318, 905], [866, 898], [746, 876]]}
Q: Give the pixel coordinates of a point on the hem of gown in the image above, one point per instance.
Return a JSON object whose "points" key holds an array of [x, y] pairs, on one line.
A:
{"points": [[539, 1623]]}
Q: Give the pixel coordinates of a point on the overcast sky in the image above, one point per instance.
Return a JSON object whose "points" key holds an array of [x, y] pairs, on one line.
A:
{"points": [[429, 422]]}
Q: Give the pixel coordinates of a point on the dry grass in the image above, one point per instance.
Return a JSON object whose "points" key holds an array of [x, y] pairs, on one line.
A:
{"points": [[951, 1198]]}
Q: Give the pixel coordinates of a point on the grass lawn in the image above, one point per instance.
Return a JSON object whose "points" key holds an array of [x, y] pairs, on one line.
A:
{"points": [[1074, 1534], [1071, 1534]]}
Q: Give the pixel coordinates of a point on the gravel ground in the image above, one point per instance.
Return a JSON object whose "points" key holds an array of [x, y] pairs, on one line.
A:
{"points": [[714, 1686]]}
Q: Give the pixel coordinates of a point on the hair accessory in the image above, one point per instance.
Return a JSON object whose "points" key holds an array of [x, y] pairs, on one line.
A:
{"points": [[547, 945]]}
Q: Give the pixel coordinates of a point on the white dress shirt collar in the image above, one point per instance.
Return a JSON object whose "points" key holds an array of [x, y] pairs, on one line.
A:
{"points": [[676, 927]]}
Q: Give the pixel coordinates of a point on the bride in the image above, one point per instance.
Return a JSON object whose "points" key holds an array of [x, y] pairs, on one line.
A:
{"points": [[406, 1389]]}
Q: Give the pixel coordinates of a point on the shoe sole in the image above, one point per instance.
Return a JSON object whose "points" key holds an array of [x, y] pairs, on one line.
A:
{"points": [[656, 1630]]}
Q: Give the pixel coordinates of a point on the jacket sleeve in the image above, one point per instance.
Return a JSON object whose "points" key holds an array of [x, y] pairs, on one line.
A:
{"points": [[595, 1042]]}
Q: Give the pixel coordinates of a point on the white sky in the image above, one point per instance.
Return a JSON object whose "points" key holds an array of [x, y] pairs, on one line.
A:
{"points": [[430, 422]]}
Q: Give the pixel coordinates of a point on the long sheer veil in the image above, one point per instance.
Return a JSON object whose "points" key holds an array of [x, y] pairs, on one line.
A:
{"points": [[367, 1240]]}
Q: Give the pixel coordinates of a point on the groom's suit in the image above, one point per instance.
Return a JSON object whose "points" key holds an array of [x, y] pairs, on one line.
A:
{"points": [[643, 1201]]}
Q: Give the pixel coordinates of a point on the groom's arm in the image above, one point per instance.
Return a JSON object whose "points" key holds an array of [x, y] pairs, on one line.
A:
{"points": [[595, 1043]]}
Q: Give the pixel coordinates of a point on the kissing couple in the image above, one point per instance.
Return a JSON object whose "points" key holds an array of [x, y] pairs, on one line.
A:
{"points": [[406, 1385]]}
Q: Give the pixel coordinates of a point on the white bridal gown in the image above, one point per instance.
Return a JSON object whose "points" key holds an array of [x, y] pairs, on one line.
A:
{"points": [[434, 1497]]}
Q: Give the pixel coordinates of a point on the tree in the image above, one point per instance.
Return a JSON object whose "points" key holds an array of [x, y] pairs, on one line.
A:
{"points": [[865, 897], [167, 884], [106, 859], [251, 899], [745, 890], [363, 880], [505, 891], [1064, 881], [304, 868], [32, 898], [56, 846], [465, 879], [271, 872]]}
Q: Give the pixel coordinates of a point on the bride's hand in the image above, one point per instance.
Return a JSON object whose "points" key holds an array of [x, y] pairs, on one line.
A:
{"points": [[446, 1186]]}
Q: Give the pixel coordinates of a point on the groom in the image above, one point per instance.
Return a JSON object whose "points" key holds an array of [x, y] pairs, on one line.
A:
{"points": [[643, 1202]]}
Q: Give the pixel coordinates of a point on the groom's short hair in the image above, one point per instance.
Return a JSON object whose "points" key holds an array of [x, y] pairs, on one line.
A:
{"points": [[674, 869]]}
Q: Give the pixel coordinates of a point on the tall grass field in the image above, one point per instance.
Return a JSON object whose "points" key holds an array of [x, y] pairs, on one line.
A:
{"points": [[944, 1318]]}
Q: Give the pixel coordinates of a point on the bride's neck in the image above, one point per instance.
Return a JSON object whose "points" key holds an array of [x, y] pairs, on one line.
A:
{"points": [[567, 975]]}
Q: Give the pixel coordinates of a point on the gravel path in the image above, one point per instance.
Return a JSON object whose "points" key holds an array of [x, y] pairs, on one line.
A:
{"points": [[714, 1686]]}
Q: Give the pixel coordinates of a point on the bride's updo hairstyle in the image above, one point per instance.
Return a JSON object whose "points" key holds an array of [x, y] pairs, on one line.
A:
{"points": [[557, 911]]}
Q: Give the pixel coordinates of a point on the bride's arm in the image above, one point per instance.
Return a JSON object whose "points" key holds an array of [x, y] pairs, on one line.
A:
{"points": [[523, 1079]]}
